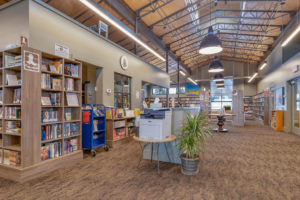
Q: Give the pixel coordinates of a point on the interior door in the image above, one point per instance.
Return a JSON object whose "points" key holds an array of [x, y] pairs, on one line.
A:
{"points": [[296, 106]]}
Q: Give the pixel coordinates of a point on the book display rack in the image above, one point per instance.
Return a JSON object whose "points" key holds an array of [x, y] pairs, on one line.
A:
{"points": [[248, 108], [93, 127], [37, 112], [261, 108]]}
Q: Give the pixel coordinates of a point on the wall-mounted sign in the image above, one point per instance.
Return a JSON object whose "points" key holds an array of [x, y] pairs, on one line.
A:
{"points": [[103, 29], [191, 89], [23, 41], [31, 61], [62, 51], [124, 62], [295, 68]]}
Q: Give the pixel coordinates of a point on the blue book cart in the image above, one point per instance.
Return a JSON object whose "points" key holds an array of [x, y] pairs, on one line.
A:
{"points": [[93, 127]]}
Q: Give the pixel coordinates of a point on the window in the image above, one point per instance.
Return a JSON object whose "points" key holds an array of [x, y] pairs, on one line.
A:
{"points": [[221, 98], [172, 90], [122, 98], [158, 90]]}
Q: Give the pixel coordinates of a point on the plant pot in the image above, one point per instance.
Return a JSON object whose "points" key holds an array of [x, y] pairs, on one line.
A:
{"points": [[189, 166]]}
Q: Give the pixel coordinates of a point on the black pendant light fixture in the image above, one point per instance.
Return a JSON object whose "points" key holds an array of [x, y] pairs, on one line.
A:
{"points": [[216, 66], [210, 44], [219, 77]]}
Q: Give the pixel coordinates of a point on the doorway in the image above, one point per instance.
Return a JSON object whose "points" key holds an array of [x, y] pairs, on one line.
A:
{"points": [[296, 106]]}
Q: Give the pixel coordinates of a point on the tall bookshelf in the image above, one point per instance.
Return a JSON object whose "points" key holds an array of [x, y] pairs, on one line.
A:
{"points": [[261, 108], [248, 108], [25, 150], [186, 101]]}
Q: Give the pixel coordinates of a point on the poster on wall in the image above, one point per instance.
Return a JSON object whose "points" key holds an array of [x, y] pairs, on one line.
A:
{"points": [[279, 98], [192, 89]]}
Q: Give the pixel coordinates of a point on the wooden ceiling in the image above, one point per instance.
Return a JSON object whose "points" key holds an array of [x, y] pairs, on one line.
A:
{"points": [[247, 28], [4, 1]]}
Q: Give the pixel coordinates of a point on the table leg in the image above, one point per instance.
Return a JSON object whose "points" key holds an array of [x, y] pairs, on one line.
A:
{"points": [[167, 151], [158, 170], [151, 151], [142, 148]]}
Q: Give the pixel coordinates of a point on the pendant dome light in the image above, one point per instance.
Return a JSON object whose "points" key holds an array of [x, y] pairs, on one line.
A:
{"points": [[216, 66], [219, 77], [210, 44]]}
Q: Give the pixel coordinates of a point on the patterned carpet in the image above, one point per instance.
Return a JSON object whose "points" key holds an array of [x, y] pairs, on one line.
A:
{"points": [[247, 163]]}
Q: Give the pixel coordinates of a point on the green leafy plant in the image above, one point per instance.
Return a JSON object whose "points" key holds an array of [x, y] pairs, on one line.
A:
{"points": [[193, 134]]}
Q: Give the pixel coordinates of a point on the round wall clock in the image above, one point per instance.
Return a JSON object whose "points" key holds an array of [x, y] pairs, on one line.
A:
{"points": [[124, 62]]}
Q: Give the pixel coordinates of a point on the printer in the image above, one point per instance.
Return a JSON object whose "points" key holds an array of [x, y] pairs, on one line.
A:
{"points": [[155, 124]]}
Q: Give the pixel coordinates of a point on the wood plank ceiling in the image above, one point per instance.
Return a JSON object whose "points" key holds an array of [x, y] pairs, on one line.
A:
{"points": [[247, 28]]}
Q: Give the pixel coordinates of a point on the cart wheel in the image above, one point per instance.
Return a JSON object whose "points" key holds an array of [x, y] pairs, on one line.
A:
{"points": [[106, 148], [93, 152]]}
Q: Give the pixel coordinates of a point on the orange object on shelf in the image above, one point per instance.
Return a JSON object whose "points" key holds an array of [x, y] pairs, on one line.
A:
{"points": [[277, 120]]}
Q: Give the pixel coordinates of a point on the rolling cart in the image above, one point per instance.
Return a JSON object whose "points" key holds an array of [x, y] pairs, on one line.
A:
{"points": [[93, 127]]}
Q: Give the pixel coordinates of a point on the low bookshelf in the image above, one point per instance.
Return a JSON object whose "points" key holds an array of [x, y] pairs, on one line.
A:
{"points": [[119, 128], [277, 120], [33, 106]]}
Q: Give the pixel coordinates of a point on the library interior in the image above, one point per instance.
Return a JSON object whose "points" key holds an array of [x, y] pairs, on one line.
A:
{"points": [[149, 99]]}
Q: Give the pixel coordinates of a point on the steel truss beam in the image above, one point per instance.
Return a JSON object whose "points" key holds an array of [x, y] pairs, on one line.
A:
{"points": [[130, 16], [262, 16], [184, 12], [153, 5], [239, 37]]}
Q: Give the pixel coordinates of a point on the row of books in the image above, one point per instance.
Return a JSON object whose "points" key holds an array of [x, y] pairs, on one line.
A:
{"points": [[72, 69], [52, 66], [17, 96], [50, 132], [71, 145], [11, 157], [50, 150], [48, 82], [51, 99], [13, 112], [13, 127], [71, 129], [11, 60], [69, 84], [49, 115]]}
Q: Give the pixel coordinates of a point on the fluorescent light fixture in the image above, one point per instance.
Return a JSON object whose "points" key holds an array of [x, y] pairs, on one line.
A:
{"points": [[182, 73], [290, 37], [254, 75], [190, 79], [118, 26], [263, 66]]}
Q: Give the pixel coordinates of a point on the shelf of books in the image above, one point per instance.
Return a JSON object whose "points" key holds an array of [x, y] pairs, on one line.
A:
{"points": [[119, 125], [248, 108], [261, 108], [35, 108]]}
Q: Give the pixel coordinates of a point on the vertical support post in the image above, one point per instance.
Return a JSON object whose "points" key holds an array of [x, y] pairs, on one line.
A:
{"points": [[167, 70], [136, 32], [178, 81]]}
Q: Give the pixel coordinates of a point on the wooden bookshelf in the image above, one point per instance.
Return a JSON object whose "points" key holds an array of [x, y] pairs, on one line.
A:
{"points": [[21, 123], [126, 124], [277, 120]]}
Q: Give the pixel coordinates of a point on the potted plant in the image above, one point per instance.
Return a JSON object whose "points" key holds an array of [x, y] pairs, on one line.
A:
{"points": [[193, 134]]}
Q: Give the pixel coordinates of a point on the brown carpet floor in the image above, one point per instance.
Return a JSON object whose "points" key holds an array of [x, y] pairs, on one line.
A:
{"points": [[247, 163]]}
